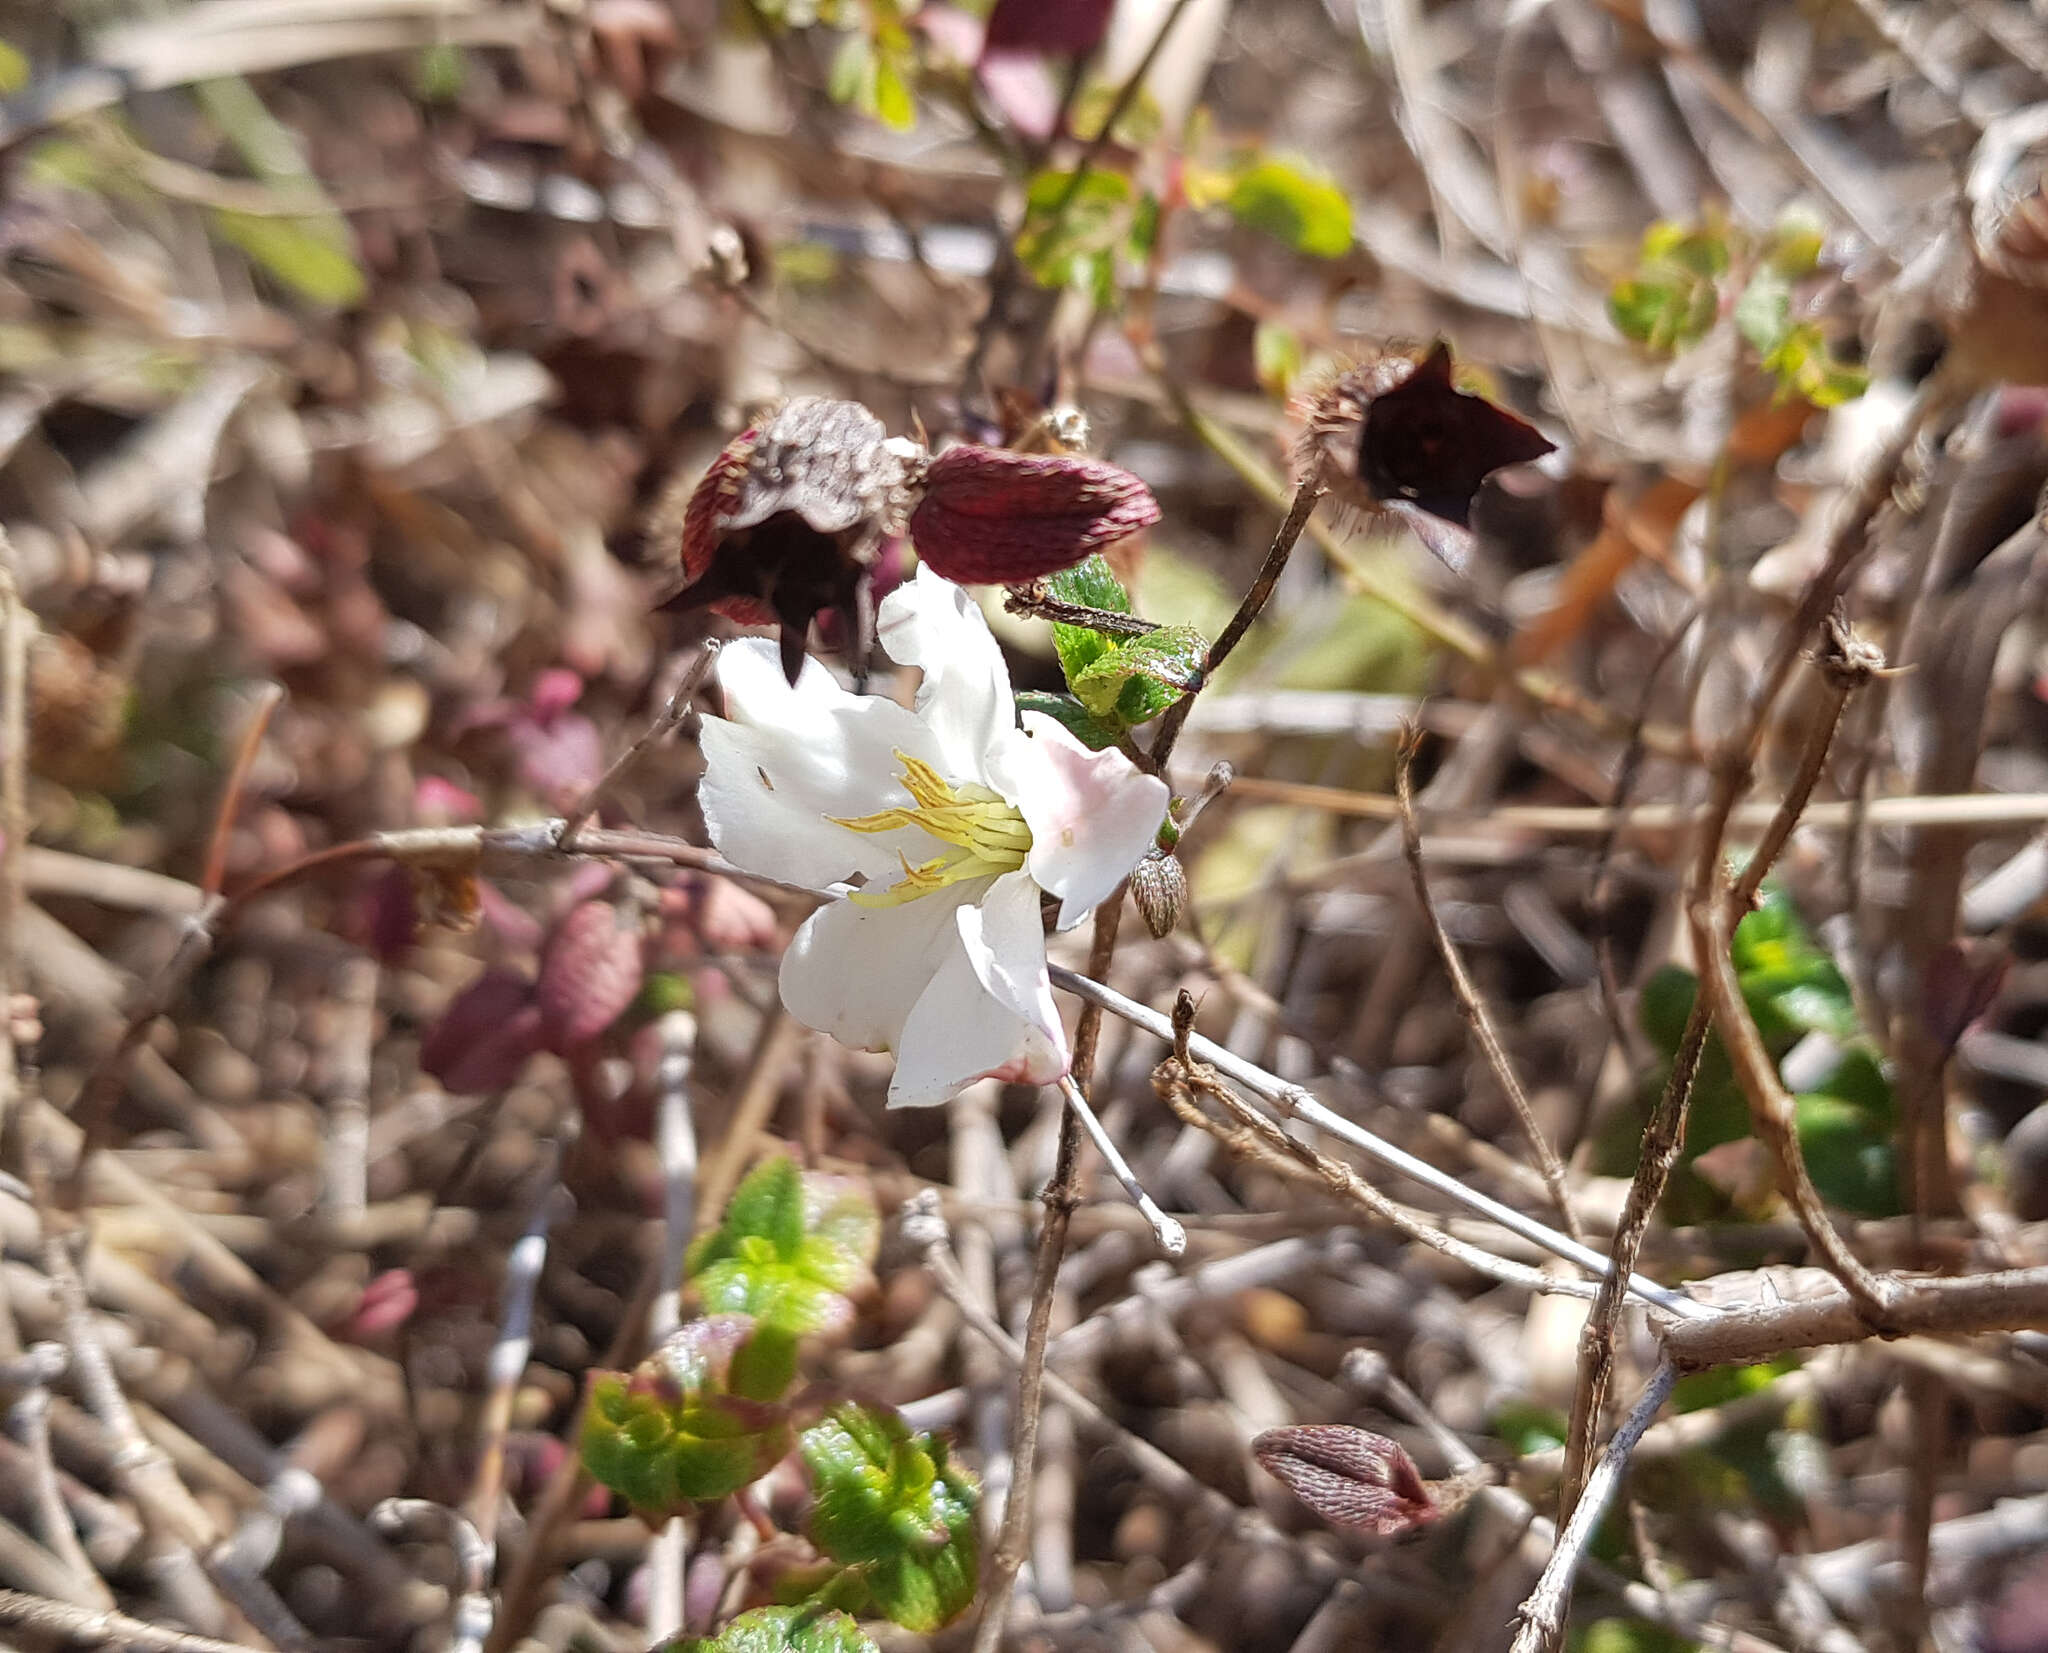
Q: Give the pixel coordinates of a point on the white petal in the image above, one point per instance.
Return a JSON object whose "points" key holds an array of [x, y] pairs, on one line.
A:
{"points": [[854, 972], [988, 1012], [965, 697], [789, 758], [1091, 814]]}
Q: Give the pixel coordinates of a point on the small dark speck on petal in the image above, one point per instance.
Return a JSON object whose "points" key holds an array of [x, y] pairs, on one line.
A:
{"points": [[765, 781]]}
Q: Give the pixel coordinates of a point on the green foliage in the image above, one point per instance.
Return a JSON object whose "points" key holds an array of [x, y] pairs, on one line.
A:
{"points": [[1308, 213], [1627, 1636], [791, 1246], [780, 1630], [1078, 721], [1672, 299], [1073, 233], [1792, 988], [1088, 584], [1142, 676], [1526, 1427], [670, 1433], [1677, 291], [891, 1504], [1117, 682], [13, 69], [1697, 1391]]}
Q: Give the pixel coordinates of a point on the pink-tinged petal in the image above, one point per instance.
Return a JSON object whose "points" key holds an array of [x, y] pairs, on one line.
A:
{"points": [[1091, 814], [988, 1013], [789, 760], [965, 698], [855, 972]]}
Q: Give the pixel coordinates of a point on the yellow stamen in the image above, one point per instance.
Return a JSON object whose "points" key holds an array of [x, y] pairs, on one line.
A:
{"points": [[989, 834]]}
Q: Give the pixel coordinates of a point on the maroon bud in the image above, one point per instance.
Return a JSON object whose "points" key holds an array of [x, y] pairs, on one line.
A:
{"points": [[789, 519], [1350, 1477], [484, 1037], [592, 969], [1398, 435], [993, 517], [1058, 28]]}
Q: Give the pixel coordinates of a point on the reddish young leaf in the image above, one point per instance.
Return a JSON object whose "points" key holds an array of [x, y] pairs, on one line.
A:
{"points": [[485, 1036], [1350, 1477], [593, 967]]}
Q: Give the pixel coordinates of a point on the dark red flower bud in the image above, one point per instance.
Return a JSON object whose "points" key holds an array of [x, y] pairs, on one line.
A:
{"points": [[993, 517], [1397, 435], [1962, 982], [1350, 1477], [789, 519]]}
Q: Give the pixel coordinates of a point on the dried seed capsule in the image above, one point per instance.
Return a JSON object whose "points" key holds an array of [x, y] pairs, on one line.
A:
{"points": [[1159, 885], [790, 518], [993, 517]]}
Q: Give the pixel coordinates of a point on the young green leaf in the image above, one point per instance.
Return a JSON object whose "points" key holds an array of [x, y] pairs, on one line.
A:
{"points": [[669, 1434], [780, 1630], [1070, 246], [891, 1504], [1309, 214], [311, 256], [1090, 583], [1672, 299], [1140, 678], [791, 1247], [1091, 731]]}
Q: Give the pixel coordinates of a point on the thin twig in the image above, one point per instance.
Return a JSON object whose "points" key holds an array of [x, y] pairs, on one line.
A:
{"points": [[1543, 1612], [1255, 600], [268, 698], [672, 714], [1061, 1195], [675, 1143], [510, 1350], [1470, 1005], [102, 1629], [1302, 1105], [1172, 1238], [474, 1557]]}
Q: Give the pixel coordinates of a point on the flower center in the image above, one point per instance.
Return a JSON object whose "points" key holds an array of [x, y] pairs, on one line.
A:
{"points": [[987, 834]]}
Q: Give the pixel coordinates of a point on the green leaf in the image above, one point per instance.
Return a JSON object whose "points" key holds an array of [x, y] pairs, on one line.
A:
{"points": [[791, 1247], [1078, 721], [1276, 356], [1309, 214], [1528, 1428], [1764, 312], [1848, 1154], [807, 1629], [1073, 244], [1697, 1391], [311, 256], [1088, 584], [1673, 297], [852, 68], [13, 69], [668, 1434], [1141, 677], [1627, 1636], [891, 1504], [891, 102]]}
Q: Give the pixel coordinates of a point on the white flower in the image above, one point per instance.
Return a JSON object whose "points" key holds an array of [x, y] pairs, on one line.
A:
{"points": [[949, 818]]}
